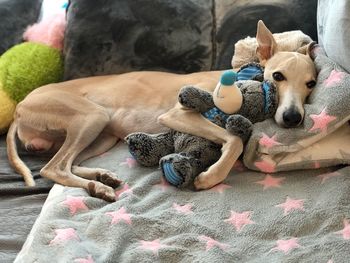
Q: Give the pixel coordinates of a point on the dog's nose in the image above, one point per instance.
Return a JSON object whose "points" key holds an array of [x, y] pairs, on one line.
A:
{"points": [[292, 118]]}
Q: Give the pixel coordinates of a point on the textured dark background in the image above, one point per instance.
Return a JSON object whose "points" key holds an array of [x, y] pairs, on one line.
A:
{"points": [[16, 15], [177, 36]]}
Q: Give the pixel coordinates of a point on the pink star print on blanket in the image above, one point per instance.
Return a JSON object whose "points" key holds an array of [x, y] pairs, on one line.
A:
{"points": [[183, 209], [120, 215], [268, 142], [286, 245], [239, 220], [75, 203], [292, 204], [154, 245], [264, 166], [346, 230], [130, 162], [126, 190], [334, 78], [212, 243], [89, 259], [321, 121], [271, 182], [63, 235]]}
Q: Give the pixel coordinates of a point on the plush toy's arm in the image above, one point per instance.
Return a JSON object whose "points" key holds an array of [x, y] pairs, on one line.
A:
{"points": [[196, 99]]}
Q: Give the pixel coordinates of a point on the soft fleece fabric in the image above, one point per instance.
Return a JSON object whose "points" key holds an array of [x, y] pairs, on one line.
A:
{"points": [[251, 217]]}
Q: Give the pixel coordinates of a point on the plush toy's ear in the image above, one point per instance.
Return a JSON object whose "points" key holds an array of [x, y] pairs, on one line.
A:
{"points": [[267, 45]]}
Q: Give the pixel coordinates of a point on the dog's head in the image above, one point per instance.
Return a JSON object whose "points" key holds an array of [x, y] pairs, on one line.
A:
{"points": [[293, 73]]}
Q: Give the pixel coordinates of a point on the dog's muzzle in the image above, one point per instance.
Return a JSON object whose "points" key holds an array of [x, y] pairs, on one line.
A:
{"points": [[292, 117]]}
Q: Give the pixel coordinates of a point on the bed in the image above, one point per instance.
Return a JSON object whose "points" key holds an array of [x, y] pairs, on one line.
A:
{"points": [[298, 216]]}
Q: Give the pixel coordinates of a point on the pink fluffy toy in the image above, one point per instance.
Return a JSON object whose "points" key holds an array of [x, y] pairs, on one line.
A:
{"points": [[49, 31]]}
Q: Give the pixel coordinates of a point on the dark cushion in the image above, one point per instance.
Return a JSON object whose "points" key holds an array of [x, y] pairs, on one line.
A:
{"points": [[117, 36], [16, 15], [121, 35], [238, 19]]}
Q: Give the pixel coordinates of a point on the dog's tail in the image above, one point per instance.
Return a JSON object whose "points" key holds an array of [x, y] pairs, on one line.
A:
{"points": [[14, 160]]}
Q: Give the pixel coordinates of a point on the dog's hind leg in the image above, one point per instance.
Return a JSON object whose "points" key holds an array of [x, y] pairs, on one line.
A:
{"points": [[102, 144], [81, 131]]}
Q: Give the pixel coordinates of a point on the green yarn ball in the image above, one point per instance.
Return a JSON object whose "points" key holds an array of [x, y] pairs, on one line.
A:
{"points": [[28, 66]]}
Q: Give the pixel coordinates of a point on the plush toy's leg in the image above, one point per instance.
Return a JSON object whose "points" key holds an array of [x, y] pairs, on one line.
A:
{"points": [[196, 99], [147, 149], [239, 126], [194, 155], [179, 169]]}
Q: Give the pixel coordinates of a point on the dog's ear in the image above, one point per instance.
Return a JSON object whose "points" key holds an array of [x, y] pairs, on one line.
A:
{"points": [[267, 45], [307, 48]]}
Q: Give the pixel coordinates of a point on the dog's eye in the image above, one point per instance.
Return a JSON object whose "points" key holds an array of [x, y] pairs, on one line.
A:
{"points": [[278, 76], [311, 84]]}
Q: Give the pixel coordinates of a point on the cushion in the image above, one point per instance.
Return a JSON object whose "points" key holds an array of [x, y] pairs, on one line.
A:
{"points": [[180, 36], [121, 35], [238, 19], [16, 15], [333, 25]]}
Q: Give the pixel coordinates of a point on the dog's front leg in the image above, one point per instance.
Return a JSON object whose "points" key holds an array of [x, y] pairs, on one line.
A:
{"points": [[191, 122]]}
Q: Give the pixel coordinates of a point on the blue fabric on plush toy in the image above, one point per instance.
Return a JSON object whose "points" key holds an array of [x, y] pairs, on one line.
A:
{"points": [[251, 71]]}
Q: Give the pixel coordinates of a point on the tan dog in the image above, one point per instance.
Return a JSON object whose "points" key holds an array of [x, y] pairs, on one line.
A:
{"points": [[83, 118], [293, 73]]}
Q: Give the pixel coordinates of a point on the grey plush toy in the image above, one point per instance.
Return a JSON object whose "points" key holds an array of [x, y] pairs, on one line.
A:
{"points": [[182, 156]]}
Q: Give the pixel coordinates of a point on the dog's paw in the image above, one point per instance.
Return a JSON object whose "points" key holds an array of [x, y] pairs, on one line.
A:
{"points": [[204, 181], [108, 178], [99, 190]]}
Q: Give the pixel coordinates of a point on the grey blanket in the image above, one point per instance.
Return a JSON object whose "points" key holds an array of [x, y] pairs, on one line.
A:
{"points": [[19, 205], [251, 217]]}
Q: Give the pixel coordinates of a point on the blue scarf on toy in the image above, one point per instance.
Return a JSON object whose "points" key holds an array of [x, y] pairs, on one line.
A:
{"points": [[251, 71]]}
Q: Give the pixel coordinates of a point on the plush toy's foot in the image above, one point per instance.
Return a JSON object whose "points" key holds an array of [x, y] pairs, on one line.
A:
{"points": [[179, 170], [147, 149], [240, 126]]}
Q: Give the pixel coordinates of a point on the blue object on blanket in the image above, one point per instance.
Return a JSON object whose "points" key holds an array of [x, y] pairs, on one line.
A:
{"points": [[170, 174]]}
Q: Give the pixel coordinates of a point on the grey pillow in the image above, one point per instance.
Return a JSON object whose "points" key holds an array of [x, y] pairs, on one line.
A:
{"points": [[333, 25], [16, 15], [116, 36], [237, 19]]}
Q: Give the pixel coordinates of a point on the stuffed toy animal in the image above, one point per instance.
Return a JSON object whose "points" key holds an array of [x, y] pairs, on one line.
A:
{"points": [[30, 65], [181, 156]]}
